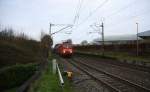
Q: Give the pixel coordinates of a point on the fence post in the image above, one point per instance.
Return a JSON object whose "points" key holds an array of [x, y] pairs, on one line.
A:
{"points": [[60, 76], [54, 66]]}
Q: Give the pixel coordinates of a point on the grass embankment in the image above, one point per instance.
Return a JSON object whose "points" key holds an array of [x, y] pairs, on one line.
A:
{"points": [[117, 55], [49, 82], [127, 56], [18, 52]]}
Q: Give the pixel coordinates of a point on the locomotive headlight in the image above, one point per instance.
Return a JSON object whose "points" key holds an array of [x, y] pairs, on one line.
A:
{"points": [[64, 51], [70, 51]]}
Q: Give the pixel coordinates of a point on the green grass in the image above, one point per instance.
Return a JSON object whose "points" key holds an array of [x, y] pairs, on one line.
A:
{"points": [[119, 55], [49, 82], [123, 55]]}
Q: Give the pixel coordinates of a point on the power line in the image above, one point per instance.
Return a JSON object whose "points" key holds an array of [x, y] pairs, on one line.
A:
{"points": [[121, 9], [110, 15], [61, 30], [78, 10], [130, 17], [114, 13], [95, 10]]}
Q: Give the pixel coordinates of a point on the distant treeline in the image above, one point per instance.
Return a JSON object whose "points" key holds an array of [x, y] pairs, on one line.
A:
{"points": [[144, 48], [9, 34]]}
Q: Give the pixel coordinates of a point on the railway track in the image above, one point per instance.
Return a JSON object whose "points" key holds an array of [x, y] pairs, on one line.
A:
{"points": [[112, 82], [137, 76], [118, 63]]}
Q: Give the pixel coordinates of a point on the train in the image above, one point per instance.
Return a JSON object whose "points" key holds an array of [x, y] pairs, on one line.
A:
{"points": [[64, 49]]}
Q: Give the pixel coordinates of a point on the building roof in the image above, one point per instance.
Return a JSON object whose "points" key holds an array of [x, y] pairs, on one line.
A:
{"points": [[119, 38], [145, 33]]}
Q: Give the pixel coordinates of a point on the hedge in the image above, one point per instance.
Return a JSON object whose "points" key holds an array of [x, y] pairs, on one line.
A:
{"points": [[15, 75]]}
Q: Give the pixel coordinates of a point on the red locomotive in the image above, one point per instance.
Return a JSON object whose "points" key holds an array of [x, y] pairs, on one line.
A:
{"points": [[64, 49]]}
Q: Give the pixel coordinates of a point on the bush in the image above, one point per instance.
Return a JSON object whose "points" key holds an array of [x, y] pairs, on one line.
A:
{"points": [[15, 75]]}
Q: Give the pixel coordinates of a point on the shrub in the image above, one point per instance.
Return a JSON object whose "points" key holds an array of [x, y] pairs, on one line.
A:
{"points": [[15, 75]]}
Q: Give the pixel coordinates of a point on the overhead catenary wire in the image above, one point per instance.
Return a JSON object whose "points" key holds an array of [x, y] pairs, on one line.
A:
{"points": [[121, 9], [94, 11], [124, 8], [78, 10], [128, 18], [61, 29], [110, 28], [108, 16], [77, 14], [113, 13]]}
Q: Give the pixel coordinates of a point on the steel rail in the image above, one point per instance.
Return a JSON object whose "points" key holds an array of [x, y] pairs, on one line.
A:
{"points": [[116, 77], [95, 78]]}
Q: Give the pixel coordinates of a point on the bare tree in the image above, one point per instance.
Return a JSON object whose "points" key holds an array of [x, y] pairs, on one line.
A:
{"points": [[46, 44], [85, 42]]}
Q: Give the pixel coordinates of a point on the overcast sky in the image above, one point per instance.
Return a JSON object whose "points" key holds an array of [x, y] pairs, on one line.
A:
{"points": [[32, 16]]}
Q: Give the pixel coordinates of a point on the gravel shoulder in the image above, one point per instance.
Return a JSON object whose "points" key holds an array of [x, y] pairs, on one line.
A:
{"points": [[80, 81]]}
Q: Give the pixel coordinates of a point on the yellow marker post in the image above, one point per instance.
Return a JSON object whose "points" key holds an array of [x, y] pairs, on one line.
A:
{"points": [[69, 74]]}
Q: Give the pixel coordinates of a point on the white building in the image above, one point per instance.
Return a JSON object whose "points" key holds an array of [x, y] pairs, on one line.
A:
{"points": [[119, 39]]}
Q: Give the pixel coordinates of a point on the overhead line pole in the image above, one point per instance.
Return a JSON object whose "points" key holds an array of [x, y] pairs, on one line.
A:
{"points": [[50, 28], [137, 48], [102, 35], [103, 49], [60, 30]]}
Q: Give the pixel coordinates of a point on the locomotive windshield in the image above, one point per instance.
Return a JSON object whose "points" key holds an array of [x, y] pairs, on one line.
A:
{"points": [[67, 45]]}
